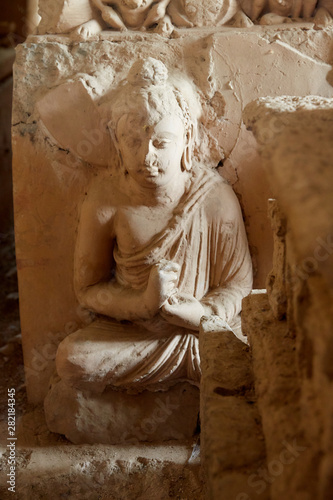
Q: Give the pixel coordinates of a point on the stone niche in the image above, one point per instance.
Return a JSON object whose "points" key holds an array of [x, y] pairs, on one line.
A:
{"points": [[230, 67]]}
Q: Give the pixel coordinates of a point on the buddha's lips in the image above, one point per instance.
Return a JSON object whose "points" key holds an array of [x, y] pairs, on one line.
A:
{"points": [[152, 170]]}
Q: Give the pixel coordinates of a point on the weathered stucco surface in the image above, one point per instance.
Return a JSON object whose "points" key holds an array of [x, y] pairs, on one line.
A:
{"points": [[232, 441], [292, 352], [286, 372], [84, 17], [49, 466], [230, 67]]}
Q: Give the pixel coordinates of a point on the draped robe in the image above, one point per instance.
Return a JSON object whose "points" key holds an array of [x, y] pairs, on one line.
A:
{"points": [[206, 237]]}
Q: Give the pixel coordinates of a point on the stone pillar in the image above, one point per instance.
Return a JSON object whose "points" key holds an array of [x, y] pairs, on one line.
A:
{"points": [[295, 141]]}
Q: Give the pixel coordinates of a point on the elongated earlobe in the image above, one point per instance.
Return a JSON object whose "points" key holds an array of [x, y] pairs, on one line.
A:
{"points": [[186, 161]]}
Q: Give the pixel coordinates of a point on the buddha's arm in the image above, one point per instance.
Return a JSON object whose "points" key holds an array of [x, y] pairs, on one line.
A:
{"points": [[119, 302], [111, 299], [231, 270], [231, 267], [94, 269]]}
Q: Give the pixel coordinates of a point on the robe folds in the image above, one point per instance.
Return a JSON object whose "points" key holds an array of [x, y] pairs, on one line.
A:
{"points": [[206, 237]]}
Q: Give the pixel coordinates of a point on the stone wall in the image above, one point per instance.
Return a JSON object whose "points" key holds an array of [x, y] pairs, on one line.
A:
{"points": [[290, 332], [17, 20], [287, 375]]}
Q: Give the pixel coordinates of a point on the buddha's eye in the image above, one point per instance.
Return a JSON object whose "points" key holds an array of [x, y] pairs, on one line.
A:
{"points": [[161, 143], [132, 141]]}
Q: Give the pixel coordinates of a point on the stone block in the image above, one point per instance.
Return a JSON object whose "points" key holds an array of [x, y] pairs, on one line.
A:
{"points": [[291, 132], [234, 374], [274, 359], [233, 446], [298, 160], [48, 466], [278, 396], [276, 280], [115, 417]]}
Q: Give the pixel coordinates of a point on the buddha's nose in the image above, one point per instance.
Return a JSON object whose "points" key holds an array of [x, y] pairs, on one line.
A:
{"points": [[150, 157]]}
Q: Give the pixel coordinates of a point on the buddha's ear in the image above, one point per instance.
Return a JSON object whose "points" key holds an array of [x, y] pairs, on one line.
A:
{"points": [[187, 155], [115, 142]]}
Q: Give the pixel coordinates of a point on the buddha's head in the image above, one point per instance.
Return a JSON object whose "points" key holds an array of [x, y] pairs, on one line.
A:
{"points": [[152, 127]]}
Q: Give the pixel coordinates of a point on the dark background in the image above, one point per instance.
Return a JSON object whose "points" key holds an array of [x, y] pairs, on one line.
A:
{"points": [[15, 24]]}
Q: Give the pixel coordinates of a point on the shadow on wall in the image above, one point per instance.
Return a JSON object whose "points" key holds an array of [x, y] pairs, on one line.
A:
{"points": [[14, 27], [6, 87], [15, 23]]}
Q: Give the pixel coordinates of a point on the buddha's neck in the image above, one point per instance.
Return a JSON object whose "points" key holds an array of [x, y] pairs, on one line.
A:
{"points": [[163, 196]]}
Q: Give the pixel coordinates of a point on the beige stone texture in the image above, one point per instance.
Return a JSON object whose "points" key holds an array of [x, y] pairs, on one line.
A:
{"points": [[145, 265], [275, 283], [146, 274], [298, 160], [274, 123], [323, 18], [231, 436], [62, 16], [49, 466], [115, 417], [277, 392], [50, 182], [90, 17]]}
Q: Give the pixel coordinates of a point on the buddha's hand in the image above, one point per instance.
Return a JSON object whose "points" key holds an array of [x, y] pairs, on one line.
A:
{"points": [[183, 310], [162, 284]]}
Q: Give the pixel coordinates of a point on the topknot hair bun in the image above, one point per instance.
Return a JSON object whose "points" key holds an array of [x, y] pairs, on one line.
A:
{"points": [[148, 72]]}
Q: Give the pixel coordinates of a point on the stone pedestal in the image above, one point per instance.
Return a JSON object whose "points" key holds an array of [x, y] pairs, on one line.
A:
{"points": [[116, 417], [48, 467]]}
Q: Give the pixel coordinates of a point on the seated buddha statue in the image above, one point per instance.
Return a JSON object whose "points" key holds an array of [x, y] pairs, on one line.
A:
{"points": [[161, 243]]}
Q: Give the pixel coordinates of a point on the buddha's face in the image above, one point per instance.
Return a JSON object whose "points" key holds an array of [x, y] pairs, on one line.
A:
{"points": [[151, 154]]}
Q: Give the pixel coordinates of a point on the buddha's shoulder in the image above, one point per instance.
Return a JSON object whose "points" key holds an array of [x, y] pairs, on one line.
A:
{"points": [[221, 201]]}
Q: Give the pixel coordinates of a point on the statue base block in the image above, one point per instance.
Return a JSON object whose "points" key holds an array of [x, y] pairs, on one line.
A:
{"points": [[116, 417]]}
